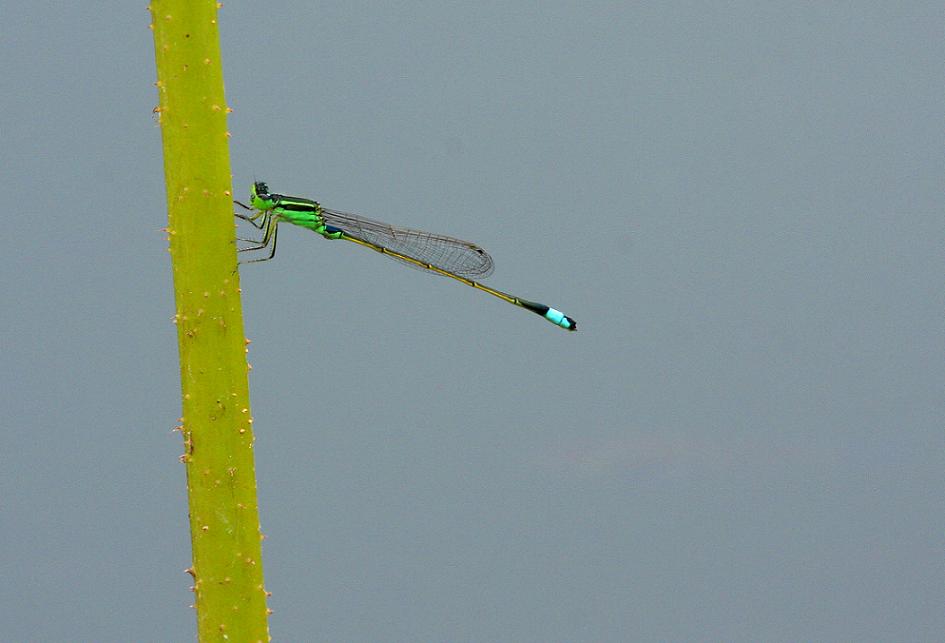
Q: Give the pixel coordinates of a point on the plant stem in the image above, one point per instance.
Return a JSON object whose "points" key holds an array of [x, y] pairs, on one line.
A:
{"points": [[216, 425]]}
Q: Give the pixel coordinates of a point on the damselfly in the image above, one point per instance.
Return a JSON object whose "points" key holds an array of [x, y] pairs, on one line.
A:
{"points": [[441, 255]]}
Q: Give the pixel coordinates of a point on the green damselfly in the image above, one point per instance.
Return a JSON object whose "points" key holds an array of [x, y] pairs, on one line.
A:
{"points": [[441, 255]]}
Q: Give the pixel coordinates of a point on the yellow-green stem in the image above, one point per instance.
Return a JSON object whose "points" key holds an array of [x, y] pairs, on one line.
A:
{"points": [[230, 597]]}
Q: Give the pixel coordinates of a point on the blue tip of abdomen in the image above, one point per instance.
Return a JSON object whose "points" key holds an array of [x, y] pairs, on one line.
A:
{"points": [[560, 319]]}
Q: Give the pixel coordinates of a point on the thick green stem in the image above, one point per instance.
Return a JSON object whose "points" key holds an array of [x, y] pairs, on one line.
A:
{"points": [[216, 424]]}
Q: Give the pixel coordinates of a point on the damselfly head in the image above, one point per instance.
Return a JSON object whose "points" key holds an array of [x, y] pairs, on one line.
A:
{"points": [[259, 196]]}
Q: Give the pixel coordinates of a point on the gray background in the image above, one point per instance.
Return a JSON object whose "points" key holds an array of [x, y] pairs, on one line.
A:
{"points": [[741, 204]]}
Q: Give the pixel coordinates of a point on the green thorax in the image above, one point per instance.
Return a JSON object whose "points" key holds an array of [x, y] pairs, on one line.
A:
{"points": [[296, 210]]}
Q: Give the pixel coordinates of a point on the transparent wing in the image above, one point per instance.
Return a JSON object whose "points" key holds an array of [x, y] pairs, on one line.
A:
{"points": [[454, 255]]}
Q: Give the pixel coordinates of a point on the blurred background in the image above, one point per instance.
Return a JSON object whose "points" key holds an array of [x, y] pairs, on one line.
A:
{"points": [[740, 204]]}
